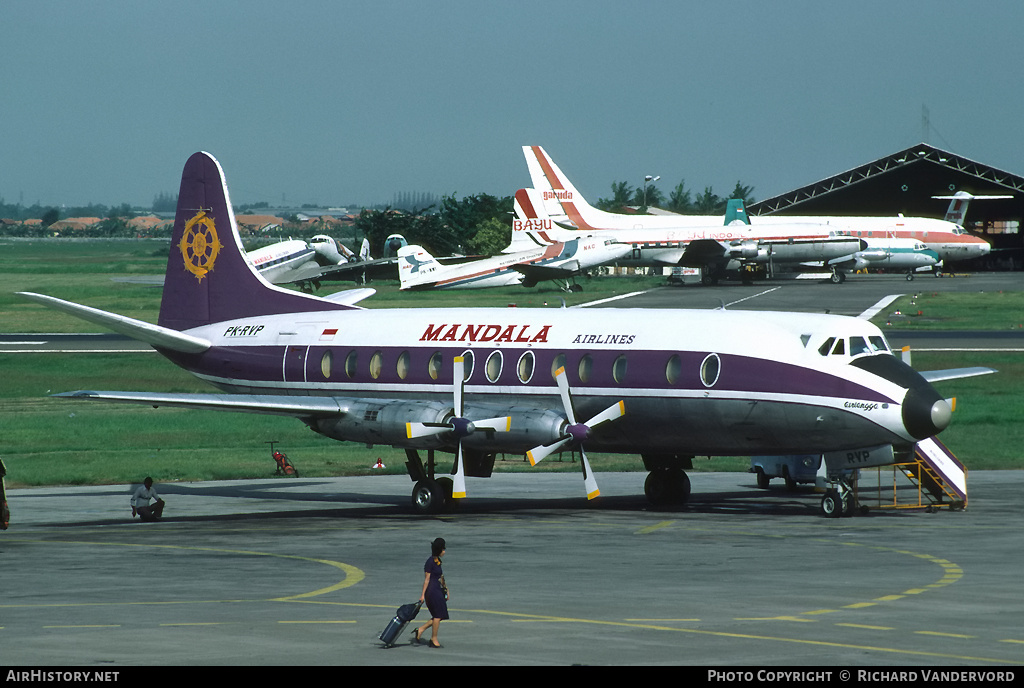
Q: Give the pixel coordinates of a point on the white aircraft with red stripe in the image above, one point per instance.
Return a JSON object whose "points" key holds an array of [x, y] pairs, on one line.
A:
{"points": [[713, 248], [417, 269], [663, 384], [563, 202]]}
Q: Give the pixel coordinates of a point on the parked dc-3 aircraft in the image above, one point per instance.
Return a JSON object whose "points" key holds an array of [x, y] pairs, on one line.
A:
{"points": [[560, 261], [665, 384], [286, 262], [713, 248], [948, 239]]}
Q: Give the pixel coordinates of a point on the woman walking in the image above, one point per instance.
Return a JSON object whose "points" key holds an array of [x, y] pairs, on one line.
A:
{"points": [[435, 593]]}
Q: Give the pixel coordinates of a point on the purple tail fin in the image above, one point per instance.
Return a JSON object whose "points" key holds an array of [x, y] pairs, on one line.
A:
{"points": [[208, 278]]}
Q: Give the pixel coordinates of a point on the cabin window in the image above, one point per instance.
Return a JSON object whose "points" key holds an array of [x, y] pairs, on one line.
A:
{"points": [[467, 365], [434, 365], [402, 366], [350, 364], [325, 364], [376, 364], [585, 367], [524, 369], [825, 348], [619, 369], [710, 369], [493, 366], [559, 362], [673, 369]]}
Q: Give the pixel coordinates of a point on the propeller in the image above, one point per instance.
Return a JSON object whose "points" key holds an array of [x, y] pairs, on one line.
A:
{"points": [[458, 425], [576, 433]]}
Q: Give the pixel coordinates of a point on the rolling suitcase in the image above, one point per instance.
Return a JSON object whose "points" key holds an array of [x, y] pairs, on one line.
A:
{"points": [[405, 614]]}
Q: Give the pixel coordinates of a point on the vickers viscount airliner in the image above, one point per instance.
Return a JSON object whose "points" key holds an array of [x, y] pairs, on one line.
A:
{"points": [[666, 385]]}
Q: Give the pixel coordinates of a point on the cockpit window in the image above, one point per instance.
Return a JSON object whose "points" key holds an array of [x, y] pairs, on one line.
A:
{"points": [[878, 343], [840, 349], [858, 346], [827, 346]]}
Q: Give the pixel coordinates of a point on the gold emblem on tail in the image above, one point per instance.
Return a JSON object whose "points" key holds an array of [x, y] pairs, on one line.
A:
{"points": [[199, 245]]}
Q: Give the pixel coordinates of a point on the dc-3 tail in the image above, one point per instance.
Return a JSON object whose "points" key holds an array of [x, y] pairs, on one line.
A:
{"points": [[416, 267]]}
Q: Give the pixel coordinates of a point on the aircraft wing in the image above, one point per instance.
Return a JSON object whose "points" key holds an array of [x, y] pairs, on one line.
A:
{"points": [[954, 373], [539, 273], [700, 252], [268, 404], [362, 270]]}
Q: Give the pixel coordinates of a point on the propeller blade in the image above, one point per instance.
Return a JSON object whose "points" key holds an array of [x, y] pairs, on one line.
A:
{"points": [[563, 389], [589, 481], [459, 383], [538, 454], [616, 410], [414, 430], [502, 424], [459, 476]]}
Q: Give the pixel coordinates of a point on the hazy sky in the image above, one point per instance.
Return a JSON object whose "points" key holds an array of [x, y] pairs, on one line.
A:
{"points": [[349, 102]]}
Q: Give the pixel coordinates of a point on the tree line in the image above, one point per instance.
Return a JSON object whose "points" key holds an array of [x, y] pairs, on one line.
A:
{"points": [[478, 224]]}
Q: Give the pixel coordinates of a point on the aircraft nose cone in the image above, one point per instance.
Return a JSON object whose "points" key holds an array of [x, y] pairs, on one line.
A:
{"points": [[925, 413]]}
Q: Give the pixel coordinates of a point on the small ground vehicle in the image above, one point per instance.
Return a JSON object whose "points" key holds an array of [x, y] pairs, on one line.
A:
{"points": [[794, 469]]}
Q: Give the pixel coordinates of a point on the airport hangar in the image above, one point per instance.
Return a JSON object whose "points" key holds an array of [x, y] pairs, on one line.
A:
{"points": [[905, 182]]}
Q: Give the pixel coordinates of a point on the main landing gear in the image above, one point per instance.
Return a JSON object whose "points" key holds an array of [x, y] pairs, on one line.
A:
{"points": [[432, 494], [667, 483]]}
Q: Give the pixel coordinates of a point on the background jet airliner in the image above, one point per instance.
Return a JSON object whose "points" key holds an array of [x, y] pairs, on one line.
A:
{"points": [[715, 249], [949, 240], [417, 269], [667, 385]]}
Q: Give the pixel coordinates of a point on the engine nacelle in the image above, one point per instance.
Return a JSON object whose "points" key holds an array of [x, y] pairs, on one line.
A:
{"points": [[383, 421], [745, 250]]}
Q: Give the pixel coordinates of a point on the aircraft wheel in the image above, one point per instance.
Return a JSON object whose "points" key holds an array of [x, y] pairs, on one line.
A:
{"points": [[447, 487], [427, 497], [763, 480], [910, 277], [838, 277], [667, 486], [832, 504]]}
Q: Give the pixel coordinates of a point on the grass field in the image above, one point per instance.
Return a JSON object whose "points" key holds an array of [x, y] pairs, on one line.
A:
{"points": [[52, 441]]}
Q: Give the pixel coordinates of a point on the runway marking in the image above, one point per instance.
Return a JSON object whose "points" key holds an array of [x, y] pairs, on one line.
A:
{"points": [[946, 635], [865, 626], [766, 291], [352, 574], [610, 299], [656, 526], [87, 626], [197, 623], [751, 636]]}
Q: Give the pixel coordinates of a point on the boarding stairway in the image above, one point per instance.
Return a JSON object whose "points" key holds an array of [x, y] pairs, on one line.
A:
{"points": [[933, 479]]}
